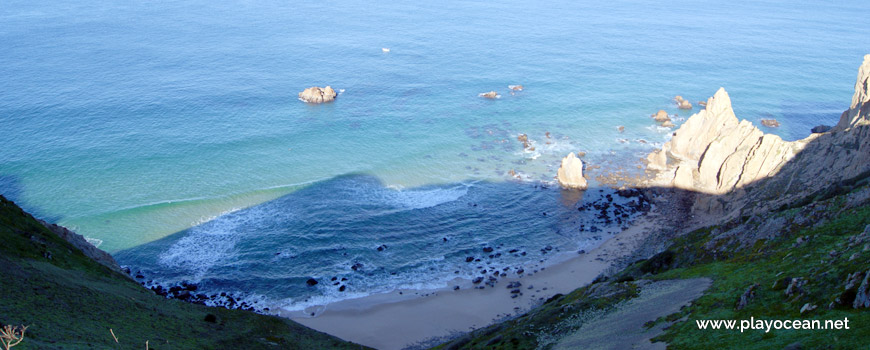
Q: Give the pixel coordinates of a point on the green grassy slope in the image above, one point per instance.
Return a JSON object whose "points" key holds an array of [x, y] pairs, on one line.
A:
{"points": [[71, 302], [822, 244]]}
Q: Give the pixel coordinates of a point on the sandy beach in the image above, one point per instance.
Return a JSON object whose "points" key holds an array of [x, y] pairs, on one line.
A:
{"points": [[404, 318]]}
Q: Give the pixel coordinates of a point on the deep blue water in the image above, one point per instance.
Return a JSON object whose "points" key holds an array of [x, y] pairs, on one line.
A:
{"points": [[135, 122]]}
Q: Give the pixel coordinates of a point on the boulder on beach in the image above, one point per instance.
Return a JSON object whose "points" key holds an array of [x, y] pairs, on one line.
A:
{"points": [[771, 123], [491, 94], [661, 116], [570, 174], [316, 94]]}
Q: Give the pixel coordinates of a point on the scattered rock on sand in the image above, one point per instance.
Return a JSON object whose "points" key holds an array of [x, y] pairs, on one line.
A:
{"points": [[771, 123], [316, 94], [491, 94], [570, 174]]}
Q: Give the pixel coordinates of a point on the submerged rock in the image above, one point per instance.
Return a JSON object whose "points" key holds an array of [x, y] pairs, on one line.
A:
{"points": [[770, 123], [316, 94], [491, 94], [570, 174]]}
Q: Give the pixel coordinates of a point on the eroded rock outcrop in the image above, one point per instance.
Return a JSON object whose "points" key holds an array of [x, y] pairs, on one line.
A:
{"points": [[715, 153], [570, 174], [82, 244], [316, 94]]}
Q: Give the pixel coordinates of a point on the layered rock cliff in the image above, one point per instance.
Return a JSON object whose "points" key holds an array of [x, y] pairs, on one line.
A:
{"points": [[737, 167]]}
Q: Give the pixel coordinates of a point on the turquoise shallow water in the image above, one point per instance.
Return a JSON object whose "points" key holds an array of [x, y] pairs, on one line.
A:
{"points": [[131, 121]]}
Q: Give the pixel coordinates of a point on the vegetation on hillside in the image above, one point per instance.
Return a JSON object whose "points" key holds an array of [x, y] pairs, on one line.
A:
{"points": [[69, 301], [813, 259]]}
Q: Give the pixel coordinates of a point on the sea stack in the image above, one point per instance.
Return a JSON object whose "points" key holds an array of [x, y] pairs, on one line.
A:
{"points": [[316, 94], [570, 174]]}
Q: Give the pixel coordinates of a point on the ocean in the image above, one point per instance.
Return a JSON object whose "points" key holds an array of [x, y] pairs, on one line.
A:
{"points": [[170, 134]]}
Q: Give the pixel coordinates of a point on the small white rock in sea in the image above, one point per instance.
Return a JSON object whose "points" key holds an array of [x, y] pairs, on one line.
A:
{"points": [[385, 49]]}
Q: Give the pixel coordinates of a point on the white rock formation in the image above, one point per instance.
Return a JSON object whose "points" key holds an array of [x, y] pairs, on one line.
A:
{"points": [[720, 152], [715, 153], [570, 174]]}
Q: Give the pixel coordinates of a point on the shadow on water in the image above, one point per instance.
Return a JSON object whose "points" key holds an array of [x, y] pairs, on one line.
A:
{"points": [[355, 236], [12, 189]]}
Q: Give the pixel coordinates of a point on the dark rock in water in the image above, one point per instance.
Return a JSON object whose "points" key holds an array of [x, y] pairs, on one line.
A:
{"points": [[520, 271], [183, 296], [513, 251], [139, 277], [469, 259], [333, 279], [515, 291], [820, 129], [382, 247], [343, 279], [455, 287], [210, 318], [487, 250], [477, 280], [514, 285], [514, 295], [356, 266], [342, 288], [445, 239], [311, 282]]}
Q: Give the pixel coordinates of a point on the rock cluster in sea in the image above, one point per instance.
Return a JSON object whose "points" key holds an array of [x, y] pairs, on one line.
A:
{"points": [[316, 94]]}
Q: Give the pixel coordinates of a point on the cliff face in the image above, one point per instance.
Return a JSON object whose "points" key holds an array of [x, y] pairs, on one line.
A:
{"points": [[740, 167]]}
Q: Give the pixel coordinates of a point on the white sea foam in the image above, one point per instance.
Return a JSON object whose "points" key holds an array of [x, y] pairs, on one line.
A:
{"points": [[209, 243], [96, 242], [420, 199]]}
